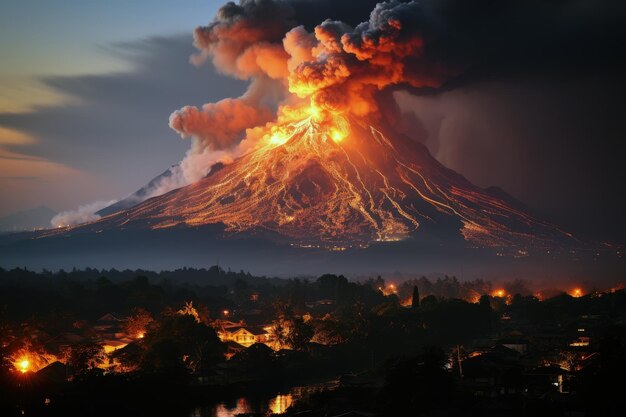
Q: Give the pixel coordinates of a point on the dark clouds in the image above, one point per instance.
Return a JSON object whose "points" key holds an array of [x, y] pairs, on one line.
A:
{"points": [[117, 126], [539, 108]]}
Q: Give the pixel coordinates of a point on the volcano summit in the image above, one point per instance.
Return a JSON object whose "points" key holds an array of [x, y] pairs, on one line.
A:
{"points": [[328, 181]]}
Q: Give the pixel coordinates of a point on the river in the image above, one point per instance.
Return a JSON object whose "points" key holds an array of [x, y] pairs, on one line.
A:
{"points": [[277, 403]]}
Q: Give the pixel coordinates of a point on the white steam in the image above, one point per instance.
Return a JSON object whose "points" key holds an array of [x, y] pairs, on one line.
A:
{"points": [[83, 214]]}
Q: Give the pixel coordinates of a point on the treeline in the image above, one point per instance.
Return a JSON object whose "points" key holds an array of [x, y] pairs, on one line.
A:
{"points": [[214, 275]]}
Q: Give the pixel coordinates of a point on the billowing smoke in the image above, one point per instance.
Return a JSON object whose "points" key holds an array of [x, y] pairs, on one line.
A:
{"points": [[243, 41], [83, 214], [347, 67], [348, 56], [216, 132], [333, 67]]}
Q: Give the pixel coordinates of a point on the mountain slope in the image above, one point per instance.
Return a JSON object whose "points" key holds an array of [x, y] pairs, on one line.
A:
{"points": [[310, 188], [140, 195]]}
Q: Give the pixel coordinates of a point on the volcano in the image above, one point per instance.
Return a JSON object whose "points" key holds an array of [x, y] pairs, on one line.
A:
{"points": [[319, 194], [337, 184]]}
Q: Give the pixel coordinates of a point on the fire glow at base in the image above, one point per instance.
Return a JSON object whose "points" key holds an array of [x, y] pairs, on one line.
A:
{"points": [[23, 365]]}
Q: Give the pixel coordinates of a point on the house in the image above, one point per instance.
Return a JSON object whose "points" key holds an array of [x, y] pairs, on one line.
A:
{"points": [[515, 341], [493, 373], [55, 372], [109, 326], [582, 341], [548, 378], [246, 336], [222, 325], [56, 345]]}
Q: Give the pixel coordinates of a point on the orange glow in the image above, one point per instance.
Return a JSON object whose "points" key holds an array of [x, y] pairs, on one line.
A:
{"points": [[315, 112], [389, 289], [336, 135], [576, 292], [24, 364], [226, 312], [141, 335], [280, 403], [498, 293], [327, 169], [25, 360], [321, 176], [277, 139]]}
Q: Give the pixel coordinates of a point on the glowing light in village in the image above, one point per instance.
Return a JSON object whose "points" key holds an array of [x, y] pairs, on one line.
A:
{"points": [[24, 365], [576, 292], [499, 293]]}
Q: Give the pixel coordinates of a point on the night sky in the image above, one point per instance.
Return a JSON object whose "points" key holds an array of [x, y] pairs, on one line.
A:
{"points": [[86, 89]]}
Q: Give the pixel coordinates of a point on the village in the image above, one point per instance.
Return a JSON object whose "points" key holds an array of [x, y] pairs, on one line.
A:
{"points": [[500, 346]]}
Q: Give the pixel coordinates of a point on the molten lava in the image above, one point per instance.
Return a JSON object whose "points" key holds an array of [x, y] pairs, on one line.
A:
{"points": [[328, 170], [322, 177]]}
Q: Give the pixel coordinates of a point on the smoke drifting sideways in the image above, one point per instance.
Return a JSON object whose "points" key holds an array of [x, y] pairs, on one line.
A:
{"points": [[333, 67], [349, 57], [294, 54], [83, 214]]}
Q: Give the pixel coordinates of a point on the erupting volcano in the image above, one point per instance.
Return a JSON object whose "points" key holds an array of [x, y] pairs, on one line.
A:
{"points": [[326, 166], [315, 168], [339, 181]]}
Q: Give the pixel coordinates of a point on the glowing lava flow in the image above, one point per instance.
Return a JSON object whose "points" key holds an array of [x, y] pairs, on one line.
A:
{"points": [[319, 177]]}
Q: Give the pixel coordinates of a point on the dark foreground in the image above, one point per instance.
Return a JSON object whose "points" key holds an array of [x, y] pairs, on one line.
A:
{"points": [[115, 343]]}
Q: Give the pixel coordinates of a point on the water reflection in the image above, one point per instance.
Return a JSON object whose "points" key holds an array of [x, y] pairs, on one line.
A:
{"points": [[227, 410], [280, 403], [277, 404]]}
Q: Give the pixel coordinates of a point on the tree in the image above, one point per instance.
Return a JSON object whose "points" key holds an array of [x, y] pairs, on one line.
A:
{"points": [[85, 357], [189, 310], [137, 323], [485, 302], [179, 342], [299, 334], [415, 300], [486, 312], [328, 331], [279, 333]]}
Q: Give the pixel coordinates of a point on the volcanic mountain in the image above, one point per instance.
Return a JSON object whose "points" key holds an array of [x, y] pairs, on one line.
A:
{"points": [[340, 184]]}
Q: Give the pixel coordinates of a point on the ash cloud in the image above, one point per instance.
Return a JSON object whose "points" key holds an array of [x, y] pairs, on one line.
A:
{"points": [[336, 66], [467, 72], [439, 56]]}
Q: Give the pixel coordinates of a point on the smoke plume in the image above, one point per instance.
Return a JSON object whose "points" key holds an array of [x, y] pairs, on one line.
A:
{"points": [[83, 214], [334, 67], [348, 56]]}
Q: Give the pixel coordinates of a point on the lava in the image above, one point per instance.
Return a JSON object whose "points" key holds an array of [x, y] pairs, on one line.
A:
{"points": [[320, 177], [328, 170]]}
